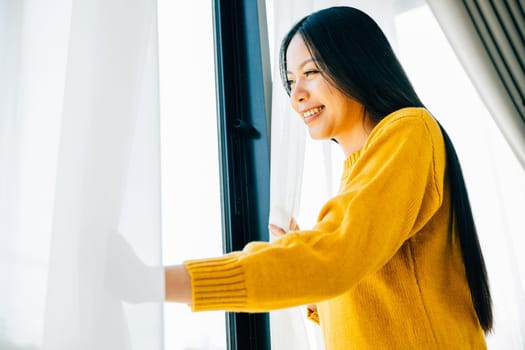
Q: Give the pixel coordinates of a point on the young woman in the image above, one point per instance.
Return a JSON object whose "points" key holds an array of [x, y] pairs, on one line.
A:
{"points": [[394, 260]]}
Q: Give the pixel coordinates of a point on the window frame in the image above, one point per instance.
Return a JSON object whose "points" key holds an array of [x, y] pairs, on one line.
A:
{"points": [[243, 83]]}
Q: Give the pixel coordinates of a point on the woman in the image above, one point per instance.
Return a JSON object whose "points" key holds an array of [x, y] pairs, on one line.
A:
{"points": [[394, 260]]}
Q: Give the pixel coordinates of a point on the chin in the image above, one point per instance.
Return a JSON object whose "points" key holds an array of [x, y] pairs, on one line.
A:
{"points": [[318, 136]]}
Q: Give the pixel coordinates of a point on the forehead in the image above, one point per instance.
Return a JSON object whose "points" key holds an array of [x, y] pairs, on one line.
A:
{"points": [[297, 54]]}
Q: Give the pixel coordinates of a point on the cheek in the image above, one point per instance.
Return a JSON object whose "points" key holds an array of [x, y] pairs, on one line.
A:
{"points": [[324, 89], [294, 106]]}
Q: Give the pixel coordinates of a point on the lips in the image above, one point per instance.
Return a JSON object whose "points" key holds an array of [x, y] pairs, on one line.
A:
{"points": [[311, 113]]}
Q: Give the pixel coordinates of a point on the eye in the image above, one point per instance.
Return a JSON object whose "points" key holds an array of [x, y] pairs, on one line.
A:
{"points": [[310, 73], [290, 82]]}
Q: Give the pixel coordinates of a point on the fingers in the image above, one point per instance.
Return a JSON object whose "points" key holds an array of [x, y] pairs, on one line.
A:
{"points": [[294, 226], [276, 231]]}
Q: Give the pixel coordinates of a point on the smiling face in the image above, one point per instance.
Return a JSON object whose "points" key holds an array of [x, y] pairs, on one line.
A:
{"points": [[327, 112]]}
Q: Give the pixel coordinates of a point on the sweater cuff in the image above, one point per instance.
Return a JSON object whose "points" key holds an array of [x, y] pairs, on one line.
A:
{"points": [[217, 283]]}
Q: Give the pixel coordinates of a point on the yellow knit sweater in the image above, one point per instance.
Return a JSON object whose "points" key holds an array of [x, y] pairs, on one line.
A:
{"points": [[382, 263]]}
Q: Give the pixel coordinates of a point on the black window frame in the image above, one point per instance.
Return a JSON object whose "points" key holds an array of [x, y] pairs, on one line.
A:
{"points": [[243, 83]]}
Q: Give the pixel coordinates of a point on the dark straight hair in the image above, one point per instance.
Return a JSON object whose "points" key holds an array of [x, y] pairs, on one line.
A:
{"points": [[354, 55]]}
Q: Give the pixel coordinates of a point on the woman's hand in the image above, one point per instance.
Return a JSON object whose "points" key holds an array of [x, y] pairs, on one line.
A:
{"points": [[278, 231], [311, 308]]}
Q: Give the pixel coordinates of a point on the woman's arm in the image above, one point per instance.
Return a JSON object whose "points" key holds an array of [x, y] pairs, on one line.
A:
{"points": [[278, 232], [387, 194], [178, 284]]}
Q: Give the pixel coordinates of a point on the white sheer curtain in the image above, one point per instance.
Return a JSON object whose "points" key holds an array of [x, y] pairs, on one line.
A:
{"points": [[79, 175], [304, 173]]}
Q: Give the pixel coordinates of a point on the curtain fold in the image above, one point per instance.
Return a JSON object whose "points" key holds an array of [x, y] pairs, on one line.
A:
{"points": [[80, 174], [286, 165], [484, 45]]}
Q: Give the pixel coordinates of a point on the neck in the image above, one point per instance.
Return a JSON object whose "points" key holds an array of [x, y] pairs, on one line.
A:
{"points": [[356, 138]]}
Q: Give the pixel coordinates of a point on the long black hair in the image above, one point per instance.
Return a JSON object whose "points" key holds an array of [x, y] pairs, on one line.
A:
{"points": [[355, 56]]}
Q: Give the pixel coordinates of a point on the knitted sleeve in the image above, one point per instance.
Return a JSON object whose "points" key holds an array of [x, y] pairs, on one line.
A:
{"points": [[381, 204]]}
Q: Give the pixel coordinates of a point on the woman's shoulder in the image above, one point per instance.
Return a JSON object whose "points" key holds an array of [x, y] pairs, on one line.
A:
{"points": [[408, 117], [408, 121], [409, 132]]}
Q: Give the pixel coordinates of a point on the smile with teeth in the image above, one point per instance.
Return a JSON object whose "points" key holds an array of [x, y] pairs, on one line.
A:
{"points": [[312, 111]]}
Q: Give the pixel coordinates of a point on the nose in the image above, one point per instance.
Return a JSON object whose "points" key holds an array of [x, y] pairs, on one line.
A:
{"points": [[299, 93]]}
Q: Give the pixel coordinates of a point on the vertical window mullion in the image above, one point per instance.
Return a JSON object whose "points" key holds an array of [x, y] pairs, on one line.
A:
{"points": [[243, 145]]}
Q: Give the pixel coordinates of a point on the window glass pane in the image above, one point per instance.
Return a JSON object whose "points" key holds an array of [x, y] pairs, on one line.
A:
{"points": [[191, 215]]}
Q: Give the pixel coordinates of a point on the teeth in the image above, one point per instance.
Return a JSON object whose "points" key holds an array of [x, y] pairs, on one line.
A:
{"points": [[312, 111]]}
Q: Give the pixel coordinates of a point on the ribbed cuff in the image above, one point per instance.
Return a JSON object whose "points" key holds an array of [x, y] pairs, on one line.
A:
{"points": [[217, 283]]}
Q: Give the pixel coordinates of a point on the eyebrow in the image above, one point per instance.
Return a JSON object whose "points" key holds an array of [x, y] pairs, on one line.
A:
{"points": [[308, 60]]}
